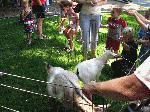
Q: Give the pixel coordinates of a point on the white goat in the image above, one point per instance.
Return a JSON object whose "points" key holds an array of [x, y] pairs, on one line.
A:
{"points": [[90, 70], [64, 85]]}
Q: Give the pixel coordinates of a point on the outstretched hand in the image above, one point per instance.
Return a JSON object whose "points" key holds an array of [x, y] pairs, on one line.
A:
{"points": [[131, 12], [88, 90]]}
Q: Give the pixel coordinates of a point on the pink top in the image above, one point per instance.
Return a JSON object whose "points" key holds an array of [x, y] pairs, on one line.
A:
{"points": [[34, 2]]}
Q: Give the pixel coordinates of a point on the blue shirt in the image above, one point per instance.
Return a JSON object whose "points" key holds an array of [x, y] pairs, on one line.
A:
{"points": [[145, 49]]}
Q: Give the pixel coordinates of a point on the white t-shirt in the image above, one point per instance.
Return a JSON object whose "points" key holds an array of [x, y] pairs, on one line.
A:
{"points": [[143, 72], [89, 9]]}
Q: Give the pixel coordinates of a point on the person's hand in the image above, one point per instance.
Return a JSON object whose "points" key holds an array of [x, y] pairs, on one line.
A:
{"points": [[94, 2], [126, 47], [143, 41], [131, 12], [117, 56], [88, 90]]}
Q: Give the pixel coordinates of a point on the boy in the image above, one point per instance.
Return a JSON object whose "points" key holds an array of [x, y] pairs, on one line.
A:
{"points": [[125, 65], [115, 27]]}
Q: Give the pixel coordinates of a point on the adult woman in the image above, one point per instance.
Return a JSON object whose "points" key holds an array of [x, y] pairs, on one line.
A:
{"points": [[90, 20]]}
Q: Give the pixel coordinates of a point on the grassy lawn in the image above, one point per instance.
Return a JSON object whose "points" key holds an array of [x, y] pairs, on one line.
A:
{"points": [[18, 58]]}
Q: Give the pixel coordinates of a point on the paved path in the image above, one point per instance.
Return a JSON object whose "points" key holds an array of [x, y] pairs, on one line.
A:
{"points": [[136, 4], [54, 9], [145, 3]]}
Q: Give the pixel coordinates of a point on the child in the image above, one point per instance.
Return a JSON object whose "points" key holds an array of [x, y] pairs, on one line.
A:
{"points": [[115, 27], [38, 8], [72, 28], [144, 40], [125, 64], [28, 20], [63, 19]]}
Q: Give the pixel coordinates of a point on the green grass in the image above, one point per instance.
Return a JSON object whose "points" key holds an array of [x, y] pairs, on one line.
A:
{"points": [[16, 57]]}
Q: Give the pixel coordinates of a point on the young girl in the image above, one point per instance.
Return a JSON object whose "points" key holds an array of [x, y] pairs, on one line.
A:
{"points": [[72, 28], [28, 20]]}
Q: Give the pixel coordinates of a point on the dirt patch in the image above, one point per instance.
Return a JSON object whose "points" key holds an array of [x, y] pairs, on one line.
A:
{"points": [[9, 12]]}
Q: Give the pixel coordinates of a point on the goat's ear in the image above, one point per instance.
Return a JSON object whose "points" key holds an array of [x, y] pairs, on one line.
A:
{"points": [[49, 66], [111, 49], [105, 50]]}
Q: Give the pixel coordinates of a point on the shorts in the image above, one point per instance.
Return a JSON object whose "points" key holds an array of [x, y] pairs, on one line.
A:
{"points": [[29, 30], [112, 44], [39, 11]]}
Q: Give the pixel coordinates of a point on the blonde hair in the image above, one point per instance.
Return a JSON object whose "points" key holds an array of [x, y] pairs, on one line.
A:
{"points": [[24, 1], [118, 9]]}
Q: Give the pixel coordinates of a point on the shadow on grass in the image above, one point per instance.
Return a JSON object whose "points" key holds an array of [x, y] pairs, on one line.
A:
{"points": [[30, 61]]}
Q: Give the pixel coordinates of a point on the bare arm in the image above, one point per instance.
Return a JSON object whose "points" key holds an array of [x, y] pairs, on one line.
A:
{"points": [[143, 41], [83, 105], [94, 2], [62, 22], [124, 88], [102, 2], [141, 23], [104, 26], [140, 19], [77, 25]]}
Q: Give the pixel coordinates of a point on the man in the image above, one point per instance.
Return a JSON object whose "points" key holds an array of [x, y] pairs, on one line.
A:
{"points": [[133, 87]]}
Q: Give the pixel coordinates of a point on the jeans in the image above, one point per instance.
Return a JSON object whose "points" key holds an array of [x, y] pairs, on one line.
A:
{"points": [[89, 26]]}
